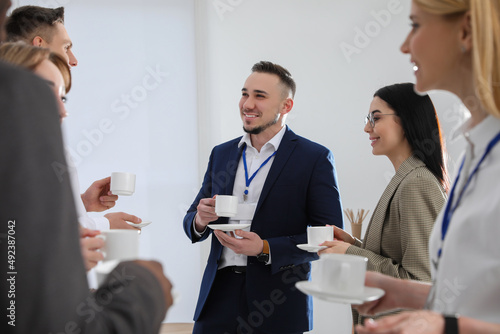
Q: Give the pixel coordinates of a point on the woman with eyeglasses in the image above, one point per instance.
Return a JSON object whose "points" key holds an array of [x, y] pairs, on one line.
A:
{"points": [[454, 45], [404, 127]]}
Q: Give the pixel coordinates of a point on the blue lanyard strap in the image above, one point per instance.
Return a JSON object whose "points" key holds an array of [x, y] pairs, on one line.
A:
{"points": [[248, 180], [448, 213]]}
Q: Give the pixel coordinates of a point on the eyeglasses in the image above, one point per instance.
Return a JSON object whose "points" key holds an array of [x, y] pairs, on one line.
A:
{"points": [[371, 118]]}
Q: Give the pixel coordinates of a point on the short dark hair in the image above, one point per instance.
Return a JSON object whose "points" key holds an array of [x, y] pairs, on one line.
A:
{"points": [[27, 22], [285, 76], [420, 124]]}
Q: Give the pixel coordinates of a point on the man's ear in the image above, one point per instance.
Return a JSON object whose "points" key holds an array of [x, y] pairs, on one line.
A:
{"points": [[287, 106], [37, 41]]}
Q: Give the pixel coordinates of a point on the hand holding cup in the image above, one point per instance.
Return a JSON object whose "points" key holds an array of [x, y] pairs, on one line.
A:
{"points": [[122, 183]]}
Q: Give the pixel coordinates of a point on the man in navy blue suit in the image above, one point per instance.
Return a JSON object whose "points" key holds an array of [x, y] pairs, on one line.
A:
{"points": [[284, 183]]}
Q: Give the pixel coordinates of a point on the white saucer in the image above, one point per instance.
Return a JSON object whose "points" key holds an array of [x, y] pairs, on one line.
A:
{"points": [[369, 294], [140, 225], [311, 248], [228, 227]]}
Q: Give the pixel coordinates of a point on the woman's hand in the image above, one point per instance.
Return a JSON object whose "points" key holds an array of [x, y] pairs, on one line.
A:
{"points": [[342, 235], [398, 294], [413, 322], [334, 247], [338, 246]]}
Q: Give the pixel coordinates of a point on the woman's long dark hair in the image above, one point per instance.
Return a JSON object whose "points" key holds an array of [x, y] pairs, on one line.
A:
{"points": [[420, 125]]}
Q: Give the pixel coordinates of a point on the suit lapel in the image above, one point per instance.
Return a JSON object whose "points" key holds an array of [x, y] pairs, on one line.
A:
{"points": [[285, 149], [374, 231], [232, 162]]}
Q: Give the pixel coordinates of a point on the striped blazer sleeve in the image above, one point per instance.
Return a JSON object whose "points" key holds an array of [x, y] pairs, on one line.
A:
{"points": [[404, 250]]}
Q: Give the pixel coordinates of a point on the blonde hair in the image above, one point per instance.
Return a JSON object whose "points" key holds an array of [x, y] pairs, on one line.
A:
{"points": [[485, 23], [63, 67], [29, 57], [23, 55]]}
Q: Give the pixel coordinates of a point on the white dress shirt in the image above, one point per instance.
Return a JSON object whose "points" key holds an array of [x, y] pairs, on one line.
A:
{"points": [[254, 160], [93, 223], [467, 279]]}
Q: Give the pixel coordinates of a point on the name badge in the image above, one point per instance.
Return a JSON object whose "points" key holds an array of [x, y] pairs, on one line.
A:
{"points": [[245, 211]]}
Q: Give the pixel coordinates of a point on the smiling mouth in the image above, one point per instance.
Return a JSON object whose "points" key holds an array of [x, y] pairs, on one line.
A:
{"points": [[374, 140], [250, 115]]}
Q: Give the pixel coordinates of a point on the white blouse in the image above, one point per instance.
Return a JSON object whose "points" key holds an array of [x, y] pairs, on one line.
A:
{"points": [[467, 278]]}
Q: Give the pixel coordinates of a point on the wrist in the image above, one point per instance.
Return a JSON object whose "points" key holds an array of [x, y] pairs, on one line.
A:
{"points": [[450, 324], [264, 255], [198, 226], [84, 202]]}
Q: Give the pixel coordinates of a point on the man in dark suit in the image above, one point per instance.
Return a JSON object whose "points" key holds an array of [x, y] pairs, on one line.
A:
{"points": [[43, 284], [284, 183]]}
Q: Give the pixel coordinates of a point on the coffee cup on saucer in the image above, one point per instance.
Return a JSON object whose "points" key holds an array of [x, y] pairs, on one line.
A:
{"points": [[316, 235], [341, 274]]}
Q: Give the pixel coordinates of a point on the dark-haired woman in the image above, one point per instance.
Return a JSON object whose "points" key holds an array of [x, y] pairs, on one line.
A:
{"points": [[403, 126]]}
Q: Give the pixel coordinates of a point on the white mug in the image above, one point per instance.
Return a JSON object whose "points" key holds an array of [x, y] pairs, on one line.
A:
{"points": [[341, 274], [120, 244], [226, 205], [103, 269], [122, 183], [318, 234]]}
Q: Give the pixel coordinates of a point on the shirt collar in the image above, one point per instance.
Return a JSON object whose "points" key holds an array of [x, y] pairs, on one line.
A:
{"points": [[274, 142], [481, 134]]}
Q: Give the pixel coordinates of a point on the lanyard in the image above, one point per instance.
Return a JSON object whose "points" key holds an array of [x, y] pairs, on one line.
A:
{"points": [[448, 213], [248, 180]]}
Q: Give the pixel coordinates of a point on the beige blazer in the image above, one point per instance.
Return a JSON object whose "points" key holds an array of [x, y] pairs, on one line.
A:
{"points": [[396, 242]]}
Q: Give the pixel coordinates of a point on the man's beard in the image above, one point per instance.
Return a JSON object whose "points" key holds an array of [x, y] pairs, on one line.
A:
{"points": [[259, 129]]}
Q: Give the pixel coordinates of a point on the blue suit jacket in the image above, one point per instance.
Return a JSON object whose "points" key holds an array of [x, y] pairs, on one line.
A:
{"points": [[300, 190]]}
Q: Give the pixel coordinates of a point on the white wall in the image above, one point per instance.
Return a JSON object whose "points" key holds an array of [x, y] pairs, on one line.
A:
{"points": [[207, 47]]}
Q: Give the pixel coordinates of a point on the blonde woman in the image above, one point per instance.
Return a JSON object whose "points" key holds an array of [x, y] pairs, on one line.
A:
{"points": [[55, 71], [454, 45], [44, 63]]}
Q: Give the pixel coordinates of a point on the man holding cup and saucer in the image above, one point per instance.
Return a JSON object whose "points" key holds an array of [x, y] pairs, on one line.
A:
{"points": [[283, 184]]}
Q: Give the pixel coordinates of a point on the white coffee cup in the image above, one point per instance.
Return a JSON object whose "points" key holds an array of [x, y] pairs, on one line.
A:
{"points": [[120, 244], [341, 274], [122, 183], [103, 269], [318, 234], [226, 205]]}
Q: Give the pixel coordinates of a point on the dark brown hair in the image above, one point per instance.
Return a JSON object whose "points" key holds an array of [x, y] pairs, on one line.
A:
{"points": [[27, 22], [285, 76]]}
